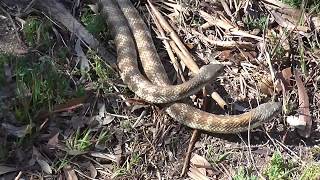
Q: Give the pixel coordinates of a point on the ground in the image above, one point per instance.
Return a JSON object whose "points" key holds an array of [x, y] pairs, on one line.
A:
{"points": [[66, 114]]}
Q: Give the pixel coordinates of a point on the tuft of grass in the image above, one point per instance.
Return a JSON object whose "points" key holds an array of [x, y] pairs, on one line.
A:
{"points": [[315, 151], [37, 33], [39, 84], [311, 172], [293, 3], [126, 125], [104, 137], [79, 141], [4, 58], [128, 166], [312, 5], [94, 23], [61, 163], [244, 174], [214, 158], [256, 23], [278, 168], [101, 73], [278, 51]]}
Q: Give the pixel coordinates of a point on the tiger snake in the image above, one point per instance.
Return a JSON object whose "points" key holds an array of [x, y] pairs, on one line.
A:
{"points": [[125, 23]]}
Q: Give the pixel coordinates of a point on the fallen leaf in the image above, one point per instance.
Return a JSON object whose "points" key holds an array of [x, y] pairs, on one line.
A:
{"points": [[265, 84], [82, 58], [53, 141], [67, 106], [316, 22], [70, 173], [89, 166], [94, 8], [103, 117], [198, 167], [41, 161], [304, 111], [110, 157], [6, 169], [16, 131], [44, 166], [225, 55], [287, 74], [195, 174]]}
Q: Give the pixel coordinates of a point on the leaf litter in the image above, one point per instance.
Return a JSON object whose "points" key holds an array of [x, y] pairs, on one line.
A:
{"points": [[114, 135]]}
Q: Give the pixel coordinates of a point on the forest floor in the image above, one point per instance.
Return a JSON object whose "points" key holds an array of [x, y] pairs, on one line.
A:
{"points": [[66, 114]]}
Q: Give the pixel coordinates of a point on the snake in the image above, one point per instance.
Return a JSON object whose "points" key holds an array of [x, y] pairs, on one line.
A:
{"points": [[134, 79], [129, 29]]}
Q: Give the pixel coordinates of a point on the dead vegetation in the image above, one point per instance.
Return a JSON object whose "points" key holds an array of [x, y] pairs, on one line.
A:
{"points": [[65, 114]]}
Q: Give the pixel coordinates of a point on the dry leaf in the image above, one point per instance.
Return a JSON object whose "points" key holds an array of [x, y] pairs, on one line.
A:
{"points": [[53, 141], [225, 55], [316, 22], [6, 169], [16, 131], [93, 171], [70, 173], [304, 111], [41, 161], [44, 166], [94, 8], [103, 117], [266, 85], [286, 23], [195, 174], [198, 167], [198, 160], [82, 58], [287, 75], [110, 157]]}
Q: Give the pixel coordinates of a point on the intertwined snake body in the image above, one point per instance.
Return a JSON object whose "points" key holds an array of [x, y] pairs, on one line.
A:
{"points": [[119, 21]]}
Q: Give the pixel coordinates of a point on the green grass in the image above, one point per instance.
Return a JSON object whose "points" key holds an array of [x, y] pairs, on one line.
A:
{"points": [[37, 33], [256, 23], [278, 168], [128, 166], [311, 172], [312, 5], [244, 174], [126, 125], [100, 73], [278, 51], [79, 142], [94, 23], [293, 3], [104, 137], [215, 158], [39, 84]]}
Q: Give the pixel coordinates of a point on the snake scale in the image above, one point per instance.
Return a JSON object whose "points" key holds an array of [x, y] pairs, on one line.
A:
{"points": [[122, 15]]}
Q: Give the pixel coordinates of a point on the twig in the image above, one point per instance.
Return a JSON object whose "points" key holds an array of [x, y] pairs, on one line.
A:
{"points": [[161, 33], [193, 140], [188, 60]]}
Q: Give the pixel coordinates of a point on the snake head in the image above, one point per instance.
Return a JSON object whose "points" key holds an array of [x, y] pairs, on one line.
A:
{"points": [[211, 71]]}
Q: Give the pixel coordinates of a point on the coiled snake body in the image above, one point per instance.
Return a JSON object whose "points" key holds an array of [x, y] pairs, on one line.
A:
{"points": [[161, 91]]}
